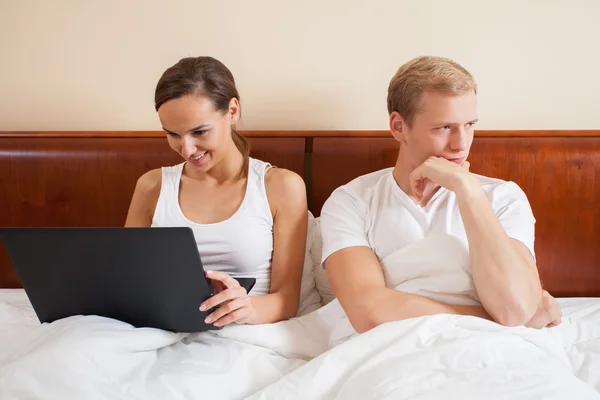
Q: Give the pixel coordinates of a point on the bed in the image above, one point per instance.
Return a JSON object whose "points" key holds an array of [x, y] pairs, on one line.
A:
{"points": [[87, 178]]}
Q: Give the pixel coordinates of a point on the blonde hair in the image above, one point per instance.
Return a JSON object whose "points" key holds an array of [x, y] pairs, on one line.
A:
{"points": [[426, 74]]}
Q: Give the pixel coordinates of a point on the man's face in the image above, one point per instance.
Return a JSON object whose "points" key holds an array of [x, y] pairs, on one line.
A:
{"points": [[443, 127]]}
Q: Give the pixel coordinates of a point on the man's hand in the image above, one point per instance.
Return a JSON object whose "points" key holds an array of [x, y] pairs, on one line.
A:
{"points": [[548, 313], [438, 172]]}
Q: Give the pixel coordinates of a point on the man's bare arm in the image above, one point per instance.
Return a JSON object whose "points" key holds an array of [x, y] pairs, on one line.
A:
{"points": [[357, 279], [504, 272]]}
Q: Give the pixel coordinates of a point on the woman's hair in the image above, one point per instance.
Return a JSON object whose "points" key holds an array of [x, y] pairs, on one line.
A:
{"points": [[202, 76], [426, 74]]}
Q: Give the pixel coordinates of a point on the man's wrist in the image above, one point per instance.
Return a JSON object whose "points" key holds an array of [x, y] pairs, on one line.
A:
{"points": [[468, 189]]}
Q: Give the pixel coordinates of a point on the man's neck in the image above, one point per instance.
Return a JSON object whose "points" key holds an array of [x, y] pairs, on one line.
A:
{"points": [[402, 171]]}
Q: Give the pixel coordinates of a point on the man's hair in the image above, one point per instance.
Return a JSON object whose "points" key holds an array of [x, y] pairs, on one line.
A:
{"points": [[426, 74]]}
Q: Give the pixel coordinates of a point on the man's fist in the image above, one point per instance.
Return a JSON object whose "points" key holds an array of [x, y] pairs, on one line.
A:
{"points": [[548, 313]]}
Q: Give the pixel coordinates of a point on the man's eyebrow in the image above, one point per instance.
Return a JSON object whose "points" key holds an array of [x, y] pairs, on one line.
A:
{"points": [[454, 123]]}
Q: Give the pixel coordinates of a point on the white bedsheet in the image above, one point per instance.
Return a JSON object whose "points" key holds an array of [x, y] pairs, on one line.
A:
{"points": [[316, 356], [449, 356], [98, 358], [308, 357]]}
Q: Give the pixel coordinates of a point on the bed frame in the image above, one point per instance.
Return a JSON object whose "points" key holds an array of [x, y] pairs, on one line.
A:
{"points": [[87, 179]]}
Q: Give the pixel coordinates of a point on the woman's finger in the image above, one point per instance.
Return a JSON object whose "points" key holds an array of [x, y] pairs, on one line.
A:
{"points": [[239, 315], [225, 295], [218, 286], [223, 277], [226, 309]]}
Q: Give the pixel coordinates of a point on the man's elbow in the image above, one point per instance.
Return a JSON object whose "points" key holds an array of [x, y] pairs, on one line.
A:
{"points": [[367, 313], [516, 306], [517, 314]]}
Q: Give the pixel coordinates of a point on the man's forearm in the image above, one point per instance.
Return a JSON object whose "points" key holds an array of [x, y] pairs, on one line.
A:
{"points": [[386, 305], [507, 284]]}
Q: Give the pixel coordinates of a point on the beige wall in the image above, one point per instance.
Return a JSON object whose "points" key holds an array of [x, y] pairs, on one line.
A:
{"points": [[311, 64]]}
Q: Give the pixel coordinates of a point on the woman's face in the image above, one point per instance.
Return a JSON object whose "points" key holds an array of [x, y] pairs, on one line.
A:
{"points": [[198, 132]]}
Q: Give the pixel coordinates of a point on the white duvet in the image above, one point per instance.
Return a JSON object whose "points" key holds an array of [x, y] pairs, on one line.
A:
{"points": [[317, 356]]}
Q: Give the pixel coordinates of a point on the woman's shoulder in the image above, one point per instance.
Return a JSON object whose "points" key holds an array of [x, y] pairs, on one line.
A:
{"points": [[150, 182], [145, 198], [277, 179], [281, 179], [285, 188]]}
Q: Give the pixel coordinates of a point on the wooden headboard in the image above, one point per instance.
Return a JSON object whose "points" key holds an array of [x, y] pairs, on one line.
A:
{"points": [[87, 179]]}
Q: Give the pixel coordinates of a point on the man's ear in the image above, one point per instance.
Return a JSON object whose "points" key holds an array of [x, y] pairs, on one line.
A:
{"points": [[398, 127]]}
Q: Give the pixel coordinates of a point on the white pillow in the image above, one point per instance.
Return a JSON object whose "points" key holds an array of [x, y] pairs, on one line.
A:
{"points": [[322, 282], [442, 275], [309, 296]]}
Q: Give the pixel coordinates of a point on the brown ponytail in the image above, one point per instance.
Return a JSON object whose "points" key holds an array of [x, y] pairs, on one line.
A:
{"points": [[243, 145]]}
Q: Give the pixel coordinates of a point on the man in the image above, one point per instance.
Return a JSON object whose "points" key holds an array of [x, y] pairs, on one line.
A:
{"points": [[432, 105]]}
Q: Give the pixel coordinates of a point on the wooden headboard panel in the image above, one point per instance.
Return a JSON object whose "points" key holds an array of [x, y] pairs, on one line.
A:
{"points": [[87, 179]]}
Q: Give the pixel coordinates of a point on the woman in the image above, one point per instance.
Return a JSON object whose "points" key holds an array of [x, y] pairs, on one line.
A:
{"points": [[249, 219]]}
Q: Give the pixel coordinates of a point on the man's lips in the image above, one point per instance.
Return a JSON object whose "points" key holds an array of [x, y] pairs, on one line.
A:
{"points": [[459, 160]]}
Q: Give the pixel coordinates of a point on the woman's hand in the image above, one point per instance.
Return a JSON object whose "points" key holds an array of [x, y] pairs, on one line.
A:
{"points": [[232, 300]]}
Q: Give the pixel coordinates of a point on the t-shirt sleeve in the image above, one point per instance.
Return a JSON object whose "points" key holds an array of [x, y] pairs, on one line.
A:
{"points": [[514, 213], [342, 223]]}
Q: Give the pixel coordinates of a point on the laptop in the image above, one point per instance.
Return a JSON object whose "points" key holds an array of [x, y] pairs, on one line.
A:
{"points": [[147, 277]]}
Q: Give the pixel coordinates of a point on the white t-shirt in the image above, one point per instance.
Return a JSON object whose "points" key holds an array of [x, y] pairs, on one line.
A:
{"points": [[373, 211]]}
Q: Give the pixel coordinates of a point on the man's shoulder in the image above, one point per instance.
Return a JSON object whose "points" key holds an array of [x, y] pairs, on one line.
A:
{"points": [[500, 190], [346, 214], [361, 189], [490, 183]]}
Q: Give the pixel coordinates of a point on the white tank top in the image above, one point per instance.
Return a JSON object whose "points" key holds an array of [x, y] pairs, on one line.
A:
{"points": [[242, 245]]}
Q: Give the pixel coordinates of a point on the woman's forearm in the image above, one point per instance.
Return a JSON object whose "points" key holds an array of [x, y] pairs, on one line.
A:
{"points": [[273, 308]]}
